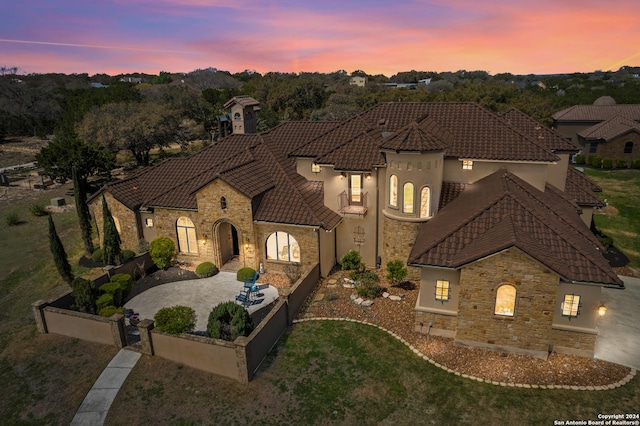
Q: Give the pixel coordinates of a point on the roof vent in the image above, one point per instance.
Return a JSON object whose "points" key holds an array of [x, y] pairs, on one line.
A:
{"points": [[382, 122]]}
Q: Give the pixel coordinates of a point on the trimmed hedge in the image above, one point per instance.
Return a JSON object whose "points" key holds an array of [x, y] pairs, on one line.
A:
{"points": [[115, 290], [607, 163], [245, 274], [162, 251], [580, 159], [107, 311], [595, 161], [104, 300], [127, 255], [206, 269], [96, 256], [175, 320], [621, 163], [228, 320]]}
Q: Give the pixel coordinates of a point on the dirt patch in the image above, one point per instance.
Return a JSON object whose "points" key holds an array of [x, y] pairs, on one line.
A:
{"points": [[607, 211]]}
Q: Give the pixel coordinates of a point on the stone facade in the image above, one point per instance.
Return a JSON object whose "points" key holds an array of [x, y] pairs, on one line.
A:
{"points": [[530, 328], [441, 325], [398, 239], [614, 149], [125, 218], [307, 238]]}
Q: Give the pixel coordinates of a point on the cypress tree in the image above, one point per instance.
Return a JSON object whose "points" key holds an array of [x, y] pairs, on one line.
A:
{"points": [[84, 217], [59, 255], [111, 238]]}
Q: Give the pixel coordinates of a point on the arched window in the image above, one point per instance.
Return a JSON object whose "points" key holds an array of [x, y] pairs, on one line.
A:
{"points": [[393, 191], [223, 203], [236, 116], [506, 300], [117, 222], [282, 246], [425, 202], [407, 199], [187, 242], [628, 147]]}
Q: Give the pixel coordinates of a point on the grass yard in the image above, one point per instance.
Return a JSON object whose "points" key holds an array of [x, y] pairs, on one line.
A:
{"points": [[621, 189], [339, 373], [44, 377]]}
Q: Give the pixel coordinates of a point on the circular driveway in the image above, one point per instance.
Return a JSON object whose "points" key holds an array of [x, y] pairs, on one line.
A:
{"points": [[202, 295]]}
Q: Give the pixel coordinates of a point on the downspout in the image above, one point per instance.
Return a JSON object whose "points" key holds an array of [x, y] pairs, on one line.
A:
{"points": [[377, 213]]}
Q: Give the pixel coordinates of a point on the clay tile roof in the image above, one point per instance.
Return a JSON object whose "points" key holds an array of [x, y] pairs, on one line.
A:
{"points": [[425, 136], [545, 136], [502, 211], [610, 128], [580, 189], [359, 153], [450, 191], [243, 101], [291, 135], [597, 113]]}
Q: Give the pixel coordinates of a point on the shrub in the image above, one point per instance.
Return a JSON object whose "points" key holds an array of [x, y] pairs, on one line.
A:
{"points": [[368, 289], [228, 320], [331, 297], [162, 250], [293, 271], [580, 159], [607, 163], [621, 163], [84, 295], [103, 301], [12, 219], [175, 320], [206, 269], [396, 272], [38, 210], [605, 240], [635, 164], [143, 246], [107, 311], [96, 256], [595, 161], [352, 260], [364, 276], [114, 289], [245, 274], [125, 281], [127, 255]]}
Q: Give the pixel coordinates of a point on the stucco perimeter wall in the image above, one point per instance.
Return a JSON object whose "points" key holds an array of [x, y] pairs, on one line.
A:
{"points": [[529, 330], [206, 354], [398, 239], [264, 337], [306, 236], [126, 218]]}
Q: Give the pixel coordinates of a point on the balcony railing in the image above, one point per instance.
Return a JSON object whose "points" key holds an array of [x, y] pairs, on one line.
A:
{"points": [[354, 203]]}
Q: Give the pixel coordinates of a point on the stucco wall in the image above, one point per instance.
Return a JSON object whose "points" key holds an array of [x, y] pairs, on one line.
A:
{"points": [[557, 173], [530, 328], [534, 174]]}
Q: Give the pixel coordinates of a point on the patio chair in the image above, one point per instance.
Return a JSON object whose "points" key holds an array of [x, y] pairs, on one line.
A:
{"points": [[251, 281]]}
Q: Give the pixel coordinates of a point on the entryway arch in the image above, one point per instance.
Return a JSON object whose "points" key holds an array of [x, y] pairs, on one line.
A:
{"points": [[226, 242]]}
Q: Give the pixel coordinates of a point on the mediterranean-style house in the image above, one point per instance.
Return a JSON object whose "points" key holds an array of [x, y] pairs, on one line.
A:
{"points": [[483, 207], [604, 129]]}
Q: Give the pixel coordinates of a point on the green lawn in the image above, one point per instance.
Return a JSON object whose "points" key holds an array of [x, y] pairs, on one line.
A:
{"points": [[621, 189]]}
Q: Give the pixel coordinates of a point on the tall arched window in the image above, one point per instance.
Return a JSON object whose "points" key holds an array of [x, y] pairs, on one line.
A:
{"points": [[282, 246], [425, 202], [393, 191], [187, 242], [628, 148], [506, 300], [407, 199]]}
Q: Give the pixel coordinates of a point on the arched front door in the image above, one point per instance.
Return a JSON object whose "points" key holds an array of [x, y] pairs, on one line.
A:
{"points": [[227, 236]]}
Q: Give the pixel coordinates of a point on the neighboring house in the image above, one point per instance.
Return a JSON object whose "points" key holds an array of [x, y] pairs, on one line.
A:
{"points": [[484, 208], [358, 81], [604, 129]]}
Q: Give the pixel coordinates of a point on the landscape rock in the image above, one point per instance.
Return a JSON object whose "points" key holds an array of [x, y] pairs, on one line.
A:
{"points": [[396, 298], [385, 294], [367, 303]]}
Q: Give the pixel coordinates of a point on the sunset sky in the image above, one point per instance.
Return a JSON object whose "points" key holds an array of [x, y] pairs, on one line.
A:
{"points": [[379, 37]]}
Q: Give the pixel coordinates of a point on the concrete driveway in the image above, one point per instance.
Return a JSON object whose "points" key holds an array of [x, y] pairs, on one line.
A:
{"points": [[201, 295], [619, 338]]}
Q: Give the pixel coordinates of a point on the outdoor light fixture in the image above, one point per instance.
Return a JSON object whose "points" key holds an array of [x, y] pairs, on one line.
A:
{"points": [[368, 176], [602, 310], [342, 175], [204, 238]]}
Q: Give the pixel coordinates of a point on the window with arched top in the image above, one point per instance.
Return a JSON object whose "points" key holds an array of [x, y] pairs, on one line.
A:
{"points": [[282, 246], [506, 300], [236, 116], [628, 148], [186, 231], [223, 203], [117, 223], [393, 191], [407, 199], [425, 202]]}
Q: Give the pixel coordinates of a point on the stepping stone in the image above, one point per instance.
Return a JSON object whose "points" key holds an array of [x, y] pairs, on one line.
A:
{"points": [[385, 294], [396, 298], [332, 281], [347, 280], [332, 285], [318, 297], [353, 297], [367, 303], [348, 286], [358, 301]]}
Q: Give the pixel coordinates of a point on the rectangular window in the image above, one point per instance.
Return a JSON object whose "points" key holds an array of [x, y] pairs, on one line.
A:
{"points": [[148, 222], [315, 168], [593, 148], [442, 290], [467, 164], [355, 186], [571, 305]]}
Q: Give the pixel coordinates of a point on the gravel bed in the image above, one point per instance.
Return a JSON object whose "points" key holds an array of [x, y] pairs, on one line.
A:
{"points": [[497, 366]]}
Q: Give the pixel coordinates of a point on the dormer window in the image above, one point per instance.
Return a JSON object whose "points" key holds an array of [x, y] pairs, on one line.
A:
{"points": [[467, 164]]}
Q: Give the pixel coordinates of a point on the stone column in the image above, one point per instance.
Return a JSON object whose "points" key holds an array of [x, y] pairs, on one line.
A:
{"points": [[241, 356], [116, 321], [38, 313], [144, 327]]}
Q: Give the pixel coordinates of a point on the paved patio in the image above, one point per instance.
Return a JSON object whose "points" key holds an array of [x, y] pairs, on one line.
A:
{"points": [[619, 338], [201, 295]]}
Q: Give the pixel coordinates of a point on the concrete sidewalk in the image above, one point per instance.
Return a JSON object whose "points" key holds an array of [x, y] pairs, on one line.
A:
{"points": [[619, 338], [93, 410]]}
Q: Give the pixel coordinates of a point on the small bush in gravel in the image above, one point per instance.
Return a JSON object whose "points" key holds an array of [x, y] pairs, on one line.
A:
{"points": [[175, 320], [367, 283], [206, 269], [245, 274], [228, 320], [107, 311], [330, 297], [351, 261], [38, 210], [127, 255], [162, 250], [396, 272], [12, 219], [96, 256]]}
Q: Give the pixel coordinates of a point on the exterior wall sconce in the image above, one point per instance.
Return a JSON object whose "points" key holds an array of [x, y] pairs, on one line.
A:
{"points": [[246, 243], [342, 175], [368, 176], [602, 310], [315, 168], [204, 239]]}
